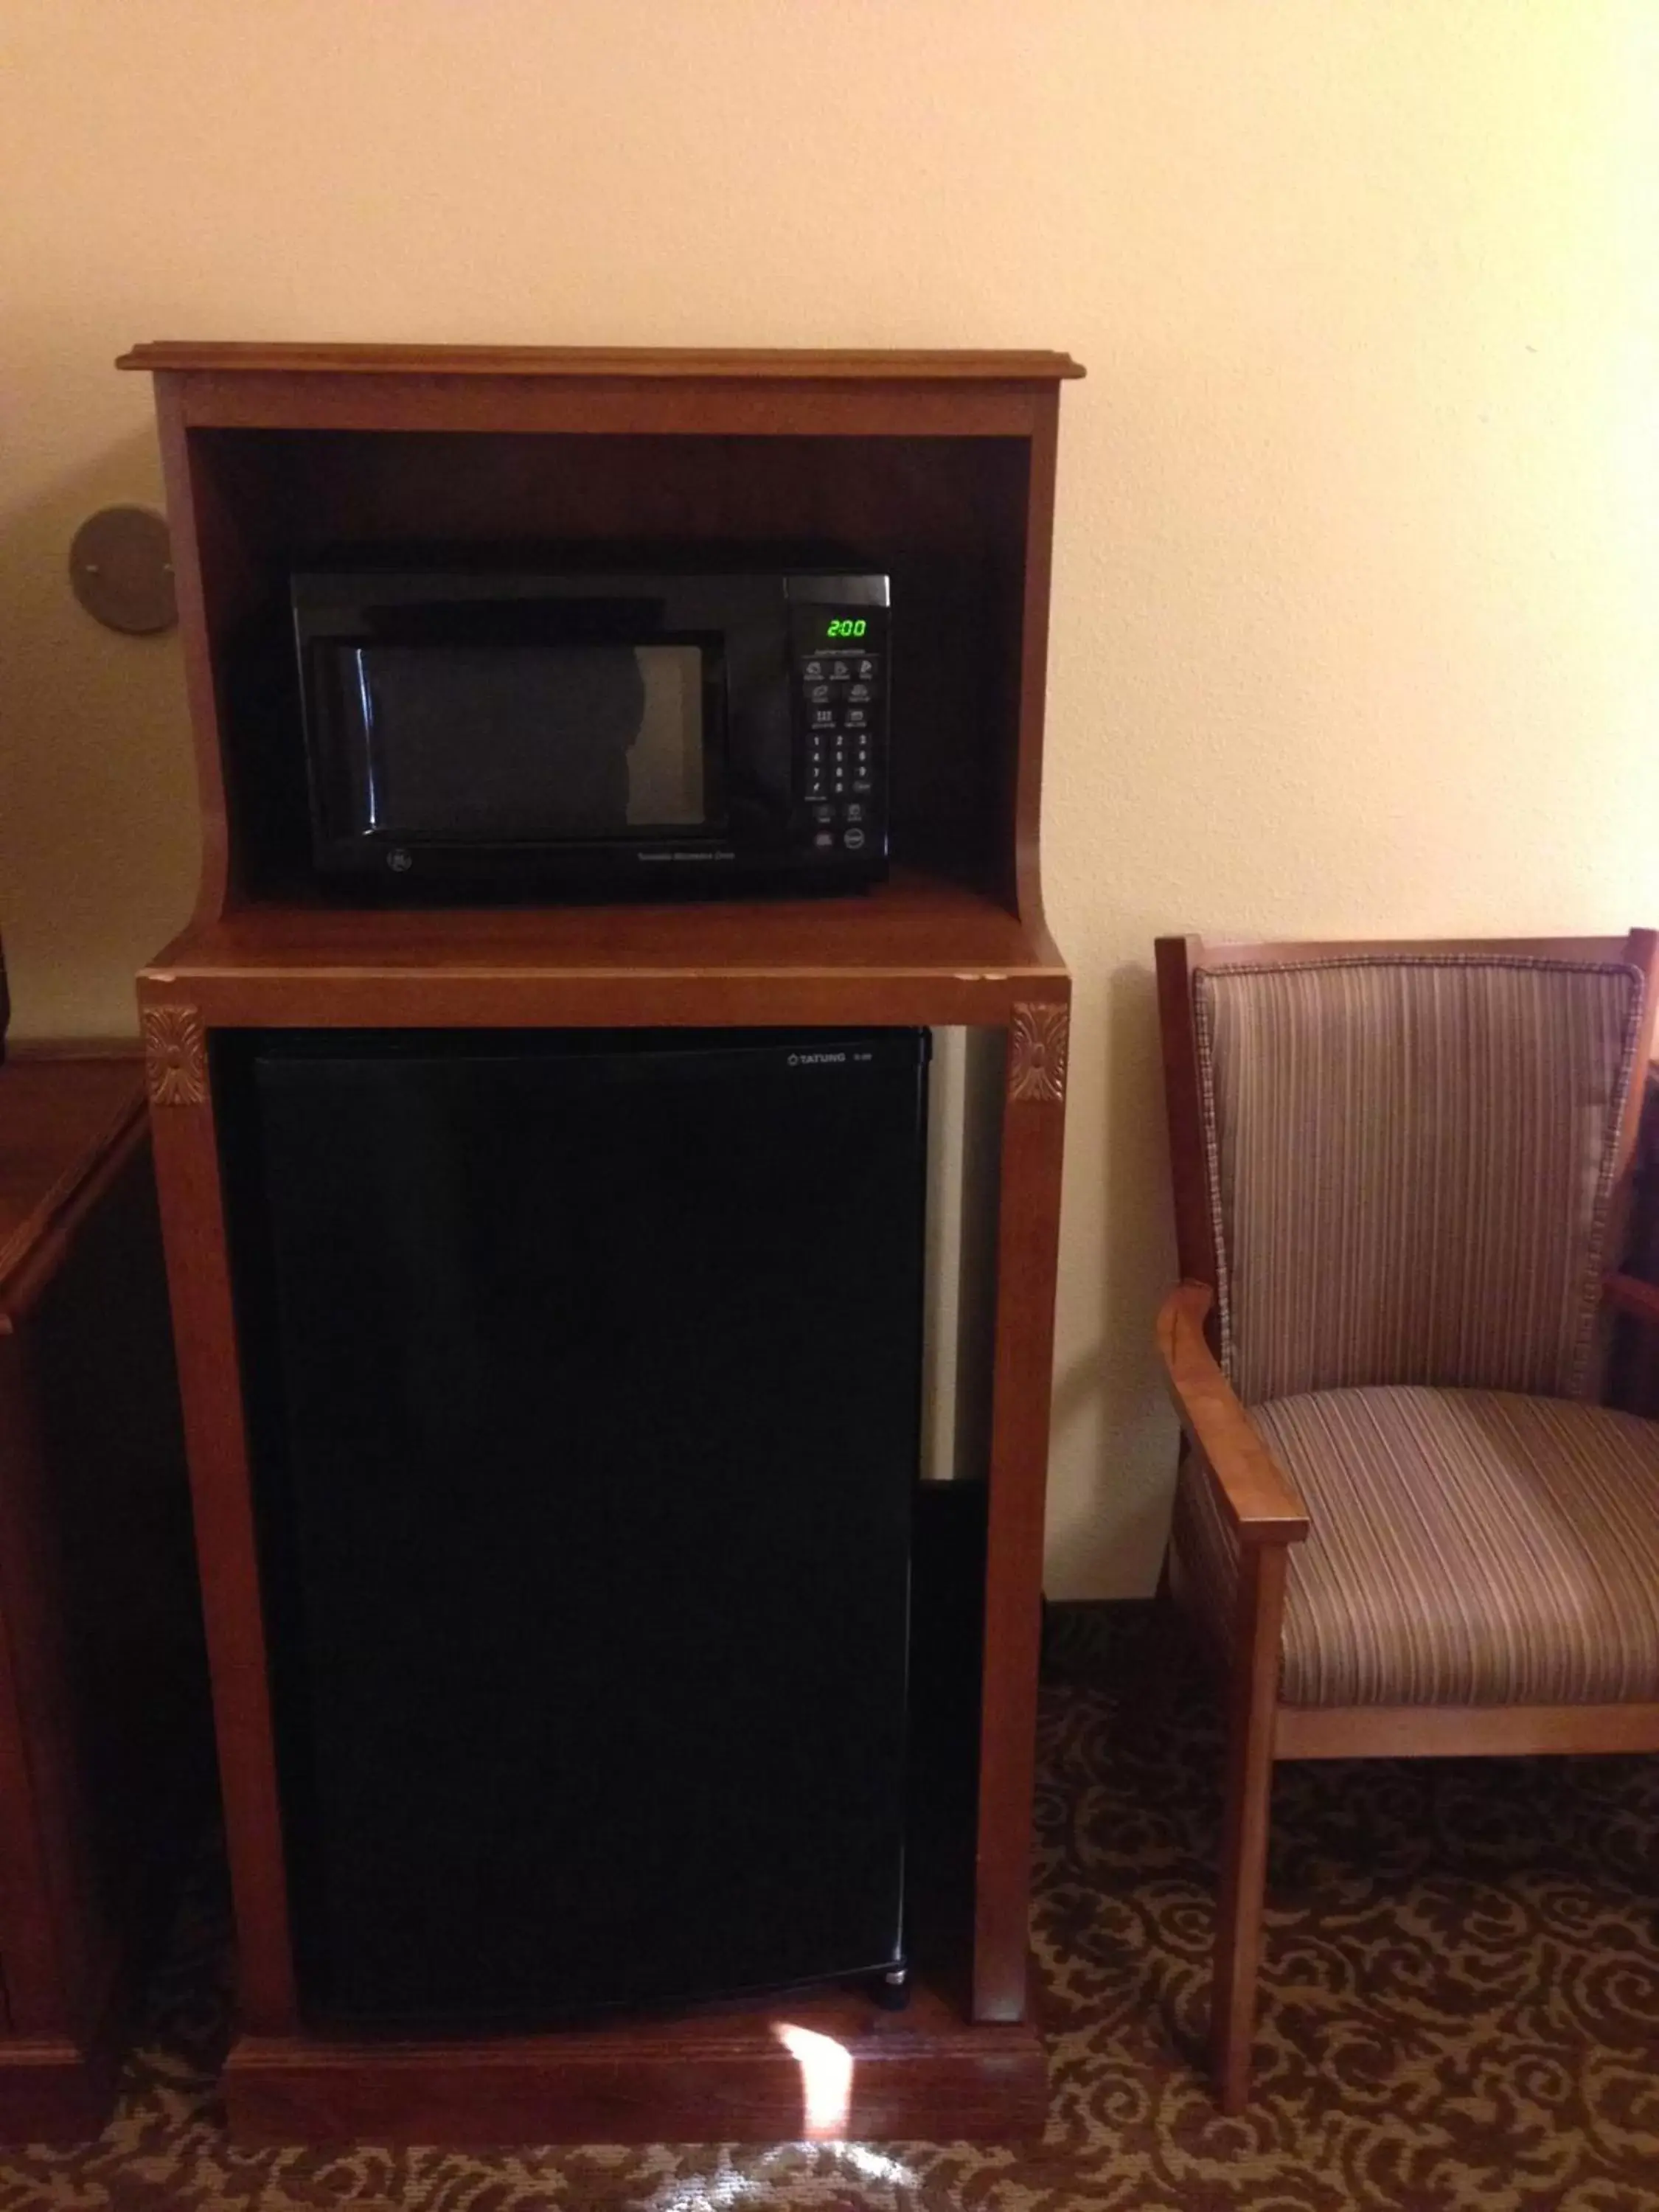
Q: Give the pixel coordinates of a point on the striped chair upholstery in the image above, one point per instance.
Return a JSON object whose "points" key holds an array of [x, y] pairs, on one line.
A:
{"points": [[1466, 1548], [1410, 1165]]}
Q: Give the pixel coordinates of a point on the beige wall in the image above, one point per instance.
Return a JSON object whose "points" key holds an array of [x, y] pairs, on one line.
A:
{"points": [[1354, 624]]}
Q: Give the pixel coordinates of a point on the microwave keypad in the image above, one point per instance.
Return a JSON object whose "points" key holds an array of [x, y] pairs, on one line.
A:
{"points": [[841, 698]]}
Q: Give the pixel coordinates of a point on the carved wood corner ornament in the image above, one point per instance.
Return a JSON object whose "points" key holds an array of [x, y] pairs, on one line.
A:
{"points": [[1037, 1053], [175, 1056]]}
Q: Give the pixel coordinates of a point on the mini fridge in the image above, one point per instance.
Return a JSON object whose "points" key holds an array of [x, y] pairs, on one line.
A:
{"points": [[583, 1372]]}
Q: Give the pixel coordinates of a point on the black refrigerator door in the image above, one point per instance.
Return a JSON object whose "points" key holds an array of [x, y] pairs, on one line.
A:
{"points": [[584, 1439]]}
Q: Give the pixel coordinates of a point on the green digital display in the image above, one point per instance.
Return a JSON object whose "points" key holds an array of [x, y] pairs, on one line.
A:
{"points": [[819, 631]]}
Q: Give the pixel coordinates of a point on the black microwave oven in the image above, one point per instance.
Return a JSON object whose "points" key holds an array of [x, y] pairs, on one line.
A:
{"points": [[481, 733]]}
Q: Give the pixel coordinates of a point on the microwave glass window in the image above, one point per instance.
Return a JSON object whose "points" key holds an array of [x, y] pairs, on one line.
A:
{"points": [[531, 741]]}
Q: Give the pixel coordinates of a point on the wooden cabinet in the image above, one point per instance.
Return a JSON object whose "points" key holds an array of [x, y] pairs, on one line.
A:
{"points": [[941, 469], [105, 1766]]}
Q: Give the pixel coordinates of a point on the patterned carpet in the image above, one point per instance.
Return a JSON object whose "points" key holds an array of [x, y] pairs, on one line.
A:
{"points": [[1460, 2010]]}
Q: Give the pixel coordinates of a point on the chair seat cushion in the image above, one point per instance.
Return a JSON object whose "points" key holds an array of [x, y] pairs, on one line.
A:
{"points": [[1467, 1548]]}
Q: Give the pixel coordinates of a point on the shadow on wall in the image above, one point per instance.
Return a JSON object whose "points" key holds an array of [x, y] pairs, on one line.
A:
{"points": [[1117, 1388], [98, 838]]}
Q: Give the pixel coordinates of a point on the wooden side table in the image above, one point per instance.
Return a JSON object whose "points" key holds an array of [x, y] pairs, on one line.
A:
{"points": [[103, 1733]]}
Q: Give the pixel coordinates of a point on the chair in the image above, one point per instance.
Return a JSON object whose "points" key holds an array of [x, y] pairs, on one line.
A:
{"points": [[1403, 1526]]}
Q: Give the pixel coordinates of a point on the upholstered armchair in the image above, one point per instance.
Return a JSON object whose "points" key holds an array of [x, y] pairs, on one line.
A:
{"points": [[1403, 1525]]}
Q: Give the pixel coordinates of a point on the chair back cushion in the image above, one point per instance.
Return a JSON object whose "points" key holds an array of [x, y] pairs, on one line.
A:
{"points": [[1410, 1158]]}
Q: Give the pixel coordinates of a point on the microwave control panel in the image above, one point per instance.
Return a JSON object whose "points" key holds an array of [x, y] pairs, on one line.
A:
{"points": [[839, 651]]}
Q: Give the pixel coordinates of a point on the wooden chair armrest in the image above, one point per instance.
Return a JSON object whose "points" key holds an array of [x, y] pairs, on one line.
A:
{"points": [[1638, 1300], [1254, 1492]]}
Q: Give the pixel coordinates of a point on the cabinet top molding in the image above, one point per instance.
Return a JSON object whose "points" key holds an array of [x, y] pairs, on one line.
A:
{"points": [[192, 355]]}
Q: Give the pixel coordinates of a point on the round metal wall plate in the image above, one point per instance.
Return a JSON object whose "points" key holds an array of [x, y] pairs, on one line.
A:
{"points": [[121, 569]]}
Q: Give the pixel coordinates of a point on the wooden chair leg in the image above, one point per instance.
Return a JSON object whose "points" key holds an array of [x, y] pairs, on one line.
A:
{"points": [[1252, 1695]]}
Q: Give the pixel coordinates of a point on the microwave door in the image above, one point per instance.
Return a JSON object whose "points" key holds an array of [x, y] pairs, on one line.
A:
{"points": [[501, 744], [363, 701], [541, 742], [761, 748]]}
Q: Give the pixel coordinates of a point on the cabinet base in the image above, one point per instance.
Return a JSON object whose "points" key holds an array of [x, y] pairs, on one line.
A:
{"points": [[825, 2066], [52, 2092]]}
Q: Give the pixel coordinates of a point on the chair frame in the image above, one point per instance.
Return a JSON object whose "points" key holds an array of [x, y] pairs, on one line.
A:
{"points": [[1262, 1508]]}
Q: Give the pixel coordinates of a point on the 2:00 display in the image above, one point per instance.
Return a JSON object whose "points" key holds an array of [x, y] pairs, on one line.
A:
{"points": [[850, 627]]}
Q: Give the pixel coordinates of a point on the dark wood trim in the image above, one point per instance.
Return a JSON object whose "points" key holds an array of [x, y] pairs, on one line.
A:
{"points": [[1033, 1127], [1252, 1687], [1026, 808], [198, 546], [365, 1000], [37, 1971], [1638, 1300], [29, 1277], [52, 2091], [1195, 1251], [40, 1665], [36, 1241], [204, 1329], [914, 951], [175, 1053], [1212, 952], [1254, 1491], [721, 2077], [21, 1050], [1642, 952], [583, 363], [1039, 1041], [717, 406], [1461, 1731], [915, 924]]}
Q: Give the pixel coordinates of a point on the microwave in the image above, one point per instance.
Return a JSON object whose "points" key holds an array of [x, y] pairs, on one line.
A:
{"points": [[478, 733]]}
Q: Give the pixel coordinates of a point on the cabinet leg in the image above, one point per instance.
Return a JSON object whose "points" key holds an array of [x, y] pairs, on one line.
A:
{"points": [[1028, 1226]]}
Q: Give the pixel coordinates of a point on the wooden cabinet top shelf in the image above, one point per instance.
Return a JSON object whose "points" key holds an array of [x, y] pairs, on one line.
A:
{"points": [[199, 355], [913, 950]]}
